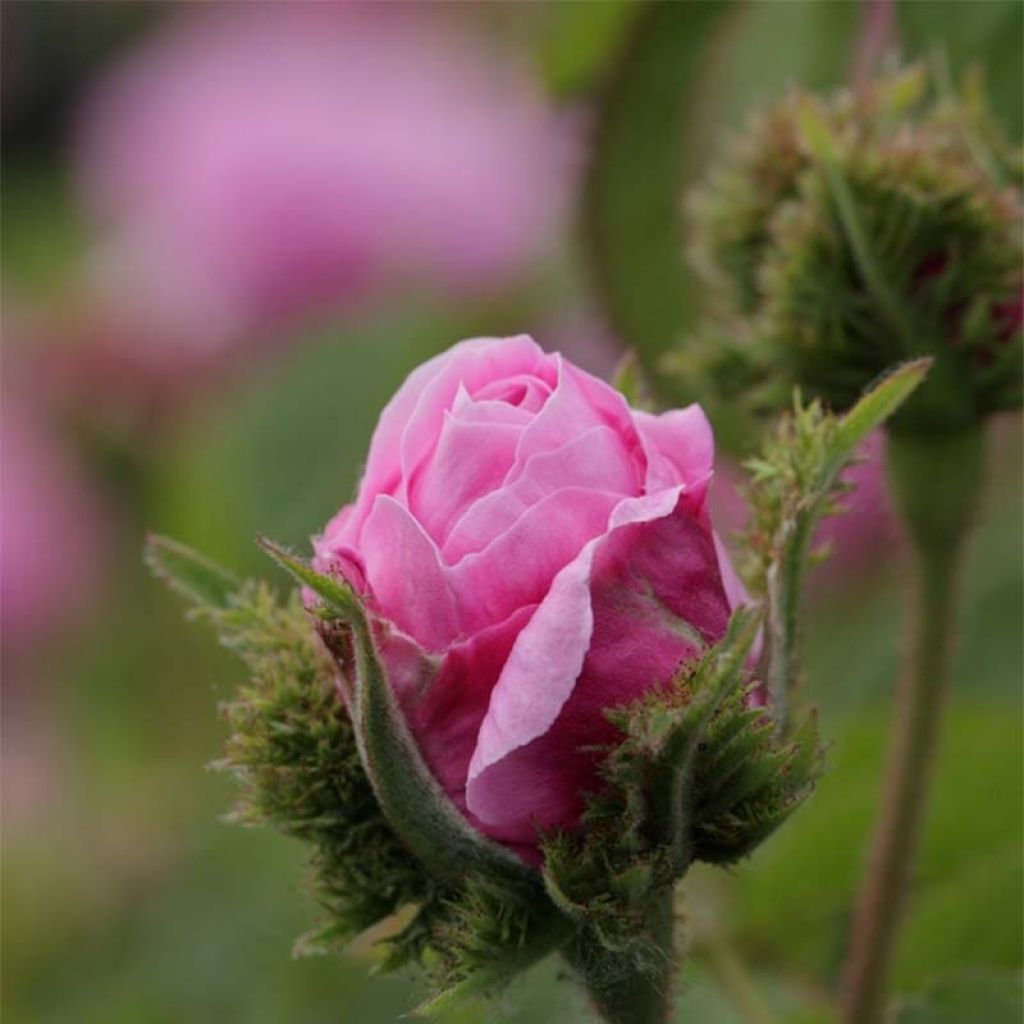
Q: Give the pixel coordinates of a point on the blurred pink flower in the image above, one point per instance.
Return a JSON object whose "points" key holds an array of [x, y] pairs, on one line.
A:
{"points": [[857, 536], [254, 164], [50, 531]]}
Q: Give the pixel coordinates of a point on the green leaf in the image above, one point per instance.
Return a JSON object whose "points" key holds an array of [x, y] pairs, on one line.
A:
{"points": [[966, 998], [192, 575], [877, 405], [412, 800]]}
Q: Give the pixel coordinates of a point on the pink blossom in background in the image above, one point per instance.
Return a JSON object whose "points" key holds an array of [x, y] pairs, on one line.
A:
{"points": [[251, 164], [51, 532], [536, 552], [857, 536]]}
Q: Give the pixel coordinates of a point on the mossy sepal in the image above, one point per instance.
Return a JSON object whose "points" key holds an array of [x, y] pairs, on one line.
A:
{"points": [[852, 232], [411, 798]]}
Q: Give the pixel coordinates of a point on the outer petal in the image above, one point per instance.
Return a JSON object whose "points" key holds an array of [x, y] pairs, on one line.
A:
{"points": [[679, 444], [445, 716], [445, 701], [651, 598], [333, 552], [406, 577]]}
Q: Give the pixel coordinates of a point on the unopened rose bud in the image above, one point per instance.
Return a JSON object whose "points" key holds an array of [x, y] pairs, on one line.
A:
{"points": [[848, 234], [535, 554]]}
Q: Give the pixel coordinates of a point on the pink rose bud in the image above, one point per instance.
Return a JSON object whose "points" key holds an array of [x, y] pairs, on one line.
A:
{"points": [[535, 553]]}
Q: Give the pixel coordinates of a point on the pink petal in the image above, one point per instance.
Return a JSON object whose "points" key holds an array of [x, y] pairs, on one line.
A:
{"points": [[517, 567], [525, 392], [578, 403], [470, 461], [595, 460], [473, 410], [617, 622], [405, 575], [473, 364], [422, 400], [679, 444], [445, 714], [548, 655], [333, 551]]}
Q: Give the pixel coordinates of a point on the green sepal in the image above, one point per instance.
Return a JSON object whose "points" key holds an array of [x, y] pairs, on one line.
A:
{"points": [[637, 838], [745, 788], [717, 675], [486, 936], [339, 598], [879, 403], [292, 749], [189, 573], [412, 800]]}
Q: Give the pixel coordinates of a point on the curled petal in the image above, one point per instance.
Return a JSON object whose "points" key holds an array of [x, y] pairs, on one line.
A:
{"points": [[517, 567], [632, 604], [596, 460], [679, 444], [471, 460]]}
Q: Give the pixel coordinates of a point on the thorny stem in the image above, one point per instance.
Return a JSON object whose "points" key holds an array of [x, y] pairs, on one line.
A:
{"points": [[935, 482]]}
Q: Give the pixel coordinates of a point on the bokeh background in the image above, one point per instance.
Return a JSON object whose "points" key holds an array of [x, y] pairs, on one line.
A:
{"points": [[228, 233]]}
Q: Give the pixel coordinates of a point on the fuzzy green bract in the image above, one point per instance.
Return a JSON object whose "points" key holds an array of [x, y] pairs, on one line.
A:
{"points": [[842, 236], [701, 771]]}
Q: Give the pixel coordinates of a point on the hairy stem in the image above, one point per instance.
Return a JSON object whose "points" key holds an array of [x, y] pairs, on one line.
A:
{"points": [[785, 580], [622, 994], [935, 482]]}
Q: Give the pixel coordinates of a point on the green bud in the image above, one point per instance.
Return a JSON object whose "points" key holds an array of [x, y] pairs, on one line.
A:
{"points": [[845, 235]]}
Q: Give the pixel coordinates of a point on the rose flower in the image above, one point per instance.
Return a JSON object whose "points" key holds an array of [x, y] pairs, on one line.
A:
{"points": [[534, 553]]}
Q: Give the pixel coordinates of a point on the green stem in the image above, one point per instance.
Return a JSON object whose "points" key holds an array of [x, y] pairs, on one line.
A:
{"points": [[785, 579], [935, 482], [621, 995]]}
